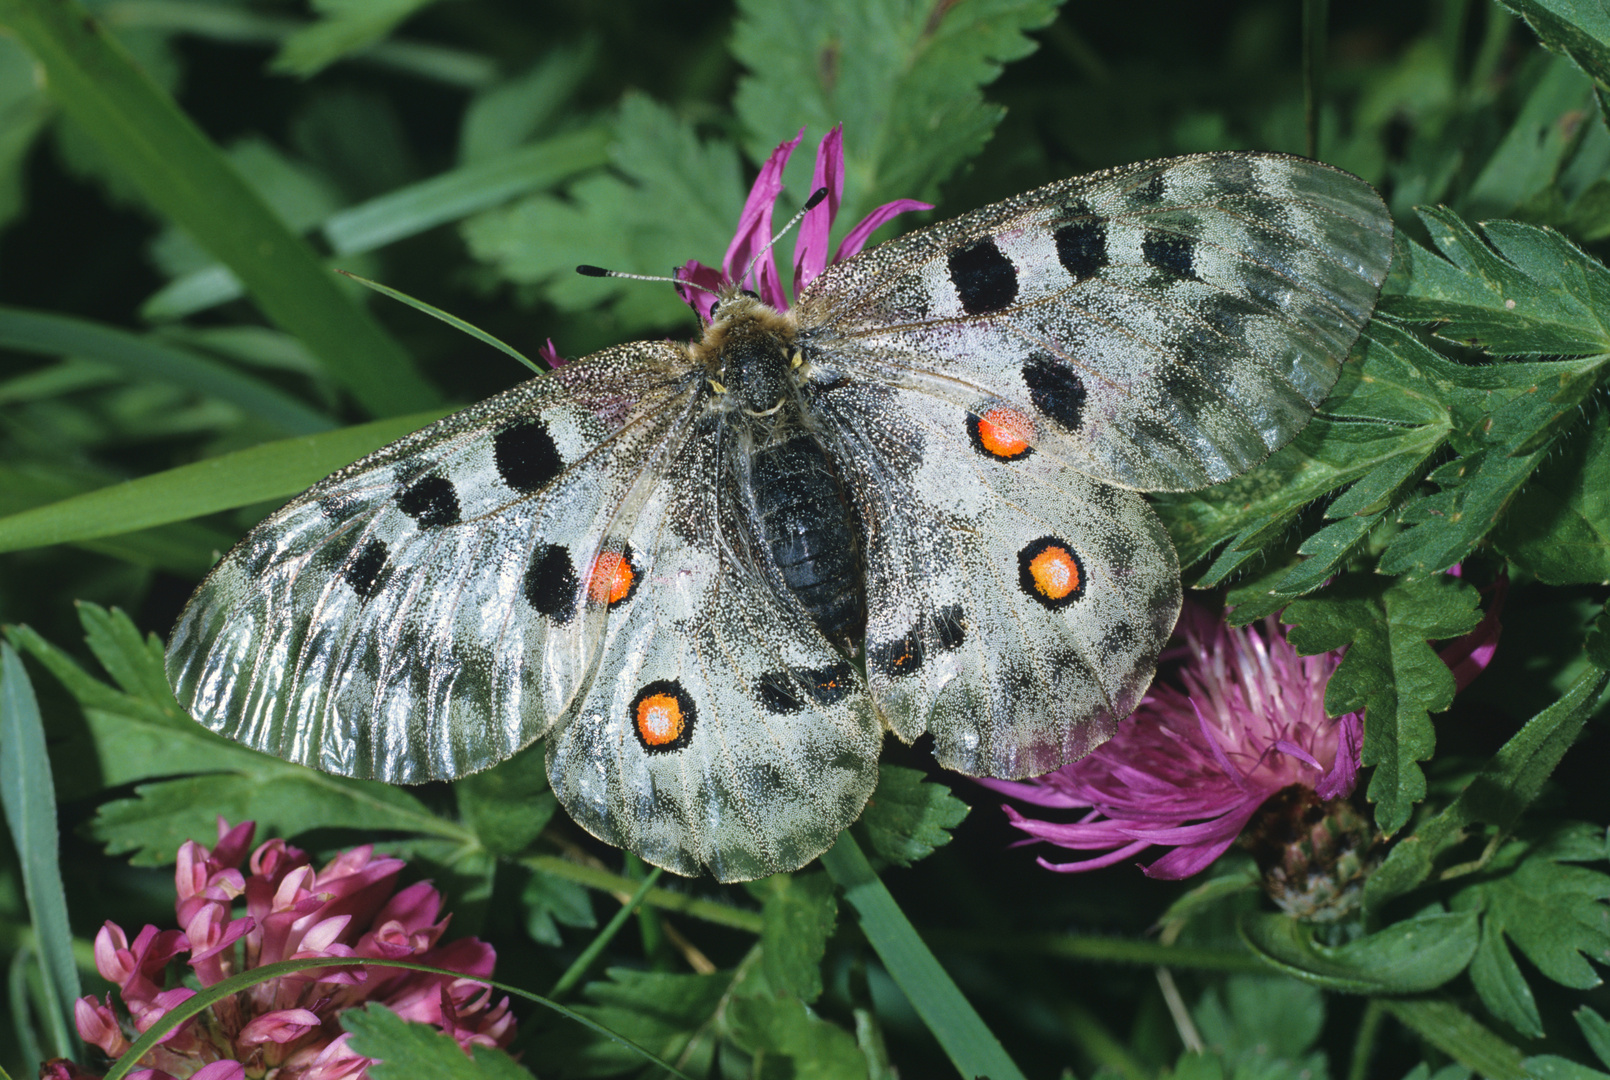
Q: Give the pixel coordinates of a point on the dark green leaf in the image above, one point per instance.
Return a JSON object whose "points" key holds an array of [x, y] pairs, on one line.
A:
{"points": [[1578, 28], [1596, 1030], [1527, 163], [507, 805], [1554, 1067], [1261, 1015], [1499, 981], [549, 900], [405, 1051], [30, 806], [782, 1027], [799, 916], [345, 27], [1408, 957], [1496, 796], [665, 1014], [1390, 671], [1453, 1031], [908, 816], [1558, 525]]}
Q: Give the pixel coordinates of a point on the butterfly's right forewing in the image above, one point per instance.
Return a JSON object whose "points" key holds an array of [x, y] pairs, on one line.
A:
{"points": [[422, 613]]}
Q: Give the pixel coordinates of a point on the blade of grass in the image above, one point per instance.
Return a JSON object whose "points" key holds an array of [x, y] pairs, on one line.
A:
{"points": [[30, 804], [185, 177], [409, 211], [970, 1045], [451, 320], [573, 974], [143, 358], [274, 470]]}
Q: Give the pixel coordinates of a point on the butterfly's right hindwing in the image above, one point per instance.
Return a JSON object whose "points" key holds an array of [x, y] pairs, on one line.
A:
{"points": [[423, 613]]}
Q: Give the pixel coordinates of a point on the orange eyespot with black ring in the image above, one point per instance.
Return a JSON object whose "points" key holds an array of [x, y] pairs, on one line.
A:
{"points": [[614, 577], [1049, 571], [662, 716], [1001, 433]]}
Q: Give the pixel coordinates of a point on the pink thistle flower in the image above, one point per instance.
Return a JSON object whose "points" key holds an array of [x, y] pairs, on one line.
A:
{"points": [[1243, 722], [287, 1027], [810, 249]]}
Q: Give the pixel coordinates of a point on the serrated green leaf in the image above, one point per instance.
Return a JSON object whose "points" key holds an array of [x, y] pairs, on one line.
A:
{"points": [[1497, 795], [405, 1051], [1499, 982], [769, 1028], [1408, 957], [798, 918], [908, 816], [1390, 671], [345, 27], [549, 900], [660, 1012], [1578, 28], [904, 79], [507, 805], [1558, 525], [1262, 1015], [1531, 293], [133, 662]]}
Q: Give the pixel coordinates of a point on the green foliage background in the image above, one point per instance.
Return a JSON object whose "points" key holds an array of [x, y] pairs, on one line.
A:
{"points": [[176, 359]]}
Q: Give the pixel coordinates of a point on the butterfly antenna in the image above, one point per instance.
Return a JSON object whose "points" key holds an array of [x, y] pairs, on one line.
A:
{"points": [[598, 271], [810, 204]]}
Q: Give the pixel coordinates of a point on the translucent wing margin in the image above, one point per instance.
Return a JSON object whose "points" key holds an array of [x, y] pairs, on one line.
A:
{"points": [[425, 612], [1175, 321]]}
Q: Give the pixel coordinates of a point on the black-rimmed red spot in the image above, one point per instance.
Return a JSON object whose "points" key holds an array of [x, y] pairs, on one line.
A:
{"points": [[1001, 433], [526, 456], [662, 716], [1049, 572], [363, 572], [985, 279], [550, 582], [431, 501], [614, 577]]}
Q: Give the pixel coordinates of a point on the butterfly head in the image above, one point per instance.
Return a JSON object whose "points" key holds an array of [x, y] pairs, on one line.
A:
{"points": [[750, 354]]}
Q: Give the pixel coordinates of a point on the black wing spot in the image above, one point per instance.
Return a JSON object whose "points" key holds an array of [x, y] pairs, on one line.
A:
{"points": [[1152, 190], [1082, 248], [433, 502], [1056, 390], [903, 656], [1170, 253], [363, 572], [550, 583], [526, 456], [985, 279], [949, 628], [779, 691]]}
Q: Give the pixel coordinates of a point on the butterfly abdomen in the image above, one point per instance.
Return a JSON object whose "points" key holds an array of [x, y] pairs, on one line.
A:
{"points": [[807, 528]]}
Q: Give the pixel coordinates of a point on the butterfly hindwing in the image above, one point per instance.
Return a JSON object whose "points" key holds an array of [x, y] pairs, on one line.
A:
{"points": [[1174, 321], [420, 614], [1015, 606], [723, 730]]}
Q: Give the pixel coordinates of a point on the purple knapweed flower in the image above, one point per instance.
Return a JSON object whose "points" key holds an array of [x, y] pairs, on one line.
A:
{"points": [[286, 1028], [741, 267], [1242, 721]]}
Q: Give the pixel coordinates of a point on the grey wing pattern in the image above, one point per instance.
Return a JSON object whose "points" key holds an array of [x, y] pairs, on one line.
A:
{"points": [[1175, 321], [724, 731], [424, 612]]}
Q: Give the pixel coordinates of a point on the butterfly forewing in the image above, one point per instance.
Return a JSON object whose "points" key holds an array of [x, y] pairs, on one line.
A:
{"points": [[1174, 321], [421, 614]]}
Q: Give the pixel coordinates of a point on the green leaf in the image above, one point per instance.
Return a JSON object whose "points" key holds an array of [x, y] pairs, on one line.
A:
{"points": [[145, 358], [30, 806], [548, 900], [143, 735], [274, 470], [904, 79], [622, 221], [1500, 983], [346, 26], [1496, 796], [1454, 1032], [770, 1028], [1530, 293], [405, 1051], [507, 805], [183, 175], [908, 816], [1390, 671], [1266, 1017], [1579, 29], [798, 917], [663, 1013], [969, 1044], [1408, 957], [1558, 525], [1526, 164], [506, 114], [1596, 1030]]}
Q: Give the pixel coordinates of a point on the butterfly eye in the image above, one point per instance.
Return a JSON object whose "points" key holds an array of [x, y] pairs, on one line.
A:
{"points": [[752, 294]]}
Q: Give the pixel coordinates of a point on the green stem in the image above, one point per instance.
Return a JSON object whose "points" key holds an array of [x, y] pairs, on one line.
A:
{"points": [[1456, 1033], [971, 1046], [1369, 1029], [1108, 950], [663, 899], [600, 942]]}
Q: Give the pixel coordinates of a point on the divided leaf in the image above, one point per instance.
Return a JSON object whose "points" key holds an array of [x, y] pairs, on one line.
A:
{"points": [[908, 816], [797, 919], [405, 1051], [672, 1016]]}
